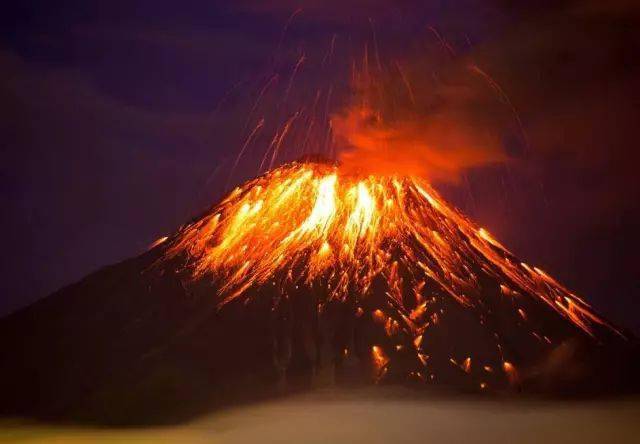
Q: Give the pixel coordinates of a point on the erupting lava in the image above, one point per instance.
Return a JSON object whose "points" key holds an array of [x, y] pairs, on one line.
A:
{"points": [[394, 250]]}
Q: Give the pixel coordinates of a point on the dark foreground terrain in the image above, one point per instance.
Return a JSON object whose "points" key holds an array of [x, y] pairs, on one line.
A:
{"points": [[137, 345], [374, 416]]}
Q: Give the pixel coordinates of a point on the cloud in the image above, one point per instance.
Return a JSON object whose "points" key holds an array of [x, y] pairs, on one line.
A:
{"points": [[438, 145]]}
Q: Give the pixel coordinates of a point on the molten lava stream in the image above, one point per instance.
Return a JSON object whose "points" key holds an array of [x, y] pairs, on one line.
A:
{"points": [[392, 247]]}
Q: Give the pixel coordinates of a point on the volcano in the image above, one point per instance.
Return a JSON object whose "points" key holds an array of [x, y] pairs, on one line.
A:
{"points": [[307, 276]]}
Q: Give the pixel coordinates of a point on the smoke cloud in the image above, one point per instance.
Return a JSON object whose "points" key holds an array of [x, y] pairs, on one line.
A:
{"points": [[438, 145], [429, 127]]}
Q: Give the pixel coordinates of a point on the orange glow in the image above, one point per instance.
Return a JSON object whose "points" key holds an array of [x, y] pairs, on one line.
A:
{"points": [[466, 365], [511, 372], [157, 242], [428, 146], [309, 219], [522, 314], [391, 327], [311, 225], [418, 312], [379, 316], [379, 358], [486, 236]]}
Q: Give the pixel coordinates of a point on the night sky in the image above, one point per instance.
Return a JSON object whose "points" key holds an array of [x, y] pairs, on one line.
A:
{"points": [[121, 121]]}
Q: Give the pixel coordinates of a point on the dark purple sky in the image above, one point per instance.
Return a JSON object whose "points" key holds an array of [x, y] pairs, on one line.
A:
{"points": [[120, 121]]}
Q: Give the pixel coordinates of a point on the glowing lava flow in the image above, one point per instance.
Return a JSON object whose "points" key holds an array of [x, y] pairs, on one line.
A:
{"points": [[306, 225]]}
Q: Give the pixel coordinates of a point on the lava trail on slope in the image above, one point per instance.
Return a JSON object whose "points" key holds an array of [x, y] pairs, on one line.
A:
{"points": [[306, 276], [381, 274]]}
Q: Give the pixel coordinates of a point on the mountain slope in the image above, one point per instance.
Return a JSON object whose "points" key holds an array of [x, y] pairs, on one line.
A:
{"points": [[301, 277]]}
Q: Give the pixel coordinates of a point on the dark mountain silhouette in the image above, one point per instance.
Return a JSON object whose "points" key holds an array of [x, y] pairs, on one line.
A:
{"points": [[157, 338]]}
